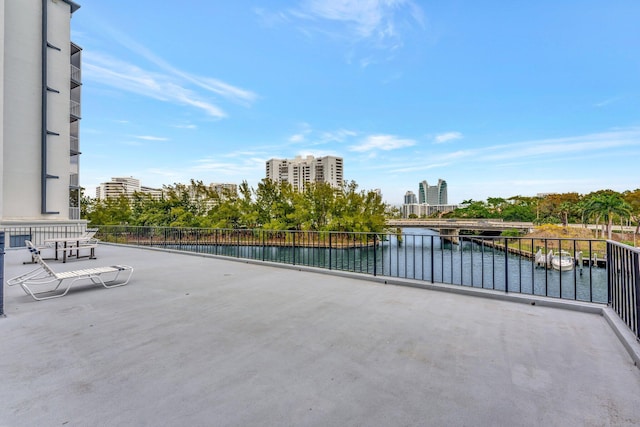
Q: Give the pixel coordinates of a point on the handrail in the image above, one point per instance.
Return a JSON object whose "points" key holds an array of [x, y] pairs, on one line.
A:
{"points": [[508, 264], [624, 283]]}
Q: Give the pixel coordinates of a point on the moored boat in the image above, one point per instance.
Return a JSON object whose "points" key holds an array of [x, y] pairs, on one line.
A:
{"points": [[562, 261]]}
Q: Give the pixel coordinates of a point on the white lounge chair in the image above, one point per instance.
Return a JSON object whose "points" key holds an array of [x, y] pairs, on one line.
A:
{"points": [[44, 275]]}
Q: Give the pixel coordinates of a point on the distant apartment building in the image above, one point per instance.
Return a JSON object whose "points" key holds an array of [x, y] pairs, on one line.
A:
{"points": [[124, 186], [301, 171], [431, 200], [224, 188], [155, 193], [433, 194], [40, 88], [421, 210], [410, 198]]}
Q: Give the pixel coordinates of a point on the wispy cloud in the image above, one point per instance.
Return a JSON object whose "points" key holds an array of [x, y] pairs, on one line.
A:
{"points": [[591, 143], [377, 24], [167, 83], [528, 152], [298, 137], [447, 137], [363, 18], [607, 102], [152, 138], [419, 168], [189, 126], [339, 135], [314, 137], [211, 84], [244, 154], [245, 168], [131, 78], [383, 143]]}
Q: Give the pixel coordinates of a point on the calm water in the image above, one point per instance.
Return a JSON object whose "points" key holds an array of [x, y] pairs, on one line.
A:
{"points": [[421, 254], [472, 264]]}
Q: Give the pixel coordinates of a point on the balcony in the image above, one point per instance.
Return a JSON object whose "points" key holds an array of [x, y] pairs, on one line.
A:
{"points": [[76, 76], [75, 110], [74, 181], [74, 147]]}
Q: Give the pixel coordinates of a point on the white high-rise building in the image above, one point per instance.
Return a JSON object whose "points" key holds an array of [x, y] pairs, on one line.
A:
{"points": [[433, 194], [40, 84], [301, 171], [125, 186]]}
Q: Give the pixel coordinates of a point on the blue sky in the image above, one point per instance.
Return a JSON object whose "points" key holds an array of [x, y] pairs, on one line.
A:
{"points": [[498, 98]]}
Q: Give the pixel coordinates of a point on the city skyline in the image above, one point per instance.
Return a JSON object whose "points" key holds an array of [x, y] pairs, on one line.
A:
{"points": [[502, 101]]}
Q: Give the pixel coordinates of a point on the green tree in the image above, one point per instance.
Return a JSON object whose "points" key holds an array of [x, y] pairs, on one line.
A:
{"points": [[472, 209], [633, 199], [607, 205], [520, 209], [110, 211]]}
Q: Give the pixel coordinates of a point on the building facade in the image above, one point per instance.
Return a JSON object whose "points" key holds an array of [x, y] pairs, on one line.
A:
{"points": [[40, 88], [301, 171], [224, 188], [432, 200], [433, 194], [423, 210], [410, 198], [125, 186]]}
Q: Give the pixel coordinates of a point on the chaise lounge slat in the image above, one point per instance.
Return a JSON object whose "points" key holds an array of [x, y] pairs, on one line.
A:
{"points": [[44, 275]]}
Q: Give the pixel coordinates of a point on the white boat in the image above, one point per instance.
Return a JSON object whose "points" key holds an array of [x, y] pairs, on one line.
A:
{"points": [[562, 261]]}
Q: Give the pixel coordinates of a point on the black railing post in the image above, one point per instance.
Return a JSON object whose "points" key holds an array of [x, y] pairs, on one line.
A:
{"points": [[636, 275], [375, 255], [2, 274], [329, 250], [559, 266], [506, 265], [293, 244], [610, 273], [432, 261]]}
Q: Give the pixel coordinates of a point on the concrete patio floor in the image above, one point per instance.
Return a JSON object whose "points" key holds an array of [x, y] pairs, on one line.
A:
{"points": [[200, 341]]}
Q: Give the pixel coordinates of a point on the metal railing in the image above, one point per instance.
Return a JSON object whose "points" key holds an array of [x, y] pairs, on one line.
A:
{"points": [[74, 107], [499, 263], [74, 213], [76, 74], [624, 283], [37, 234], [74, 144]]}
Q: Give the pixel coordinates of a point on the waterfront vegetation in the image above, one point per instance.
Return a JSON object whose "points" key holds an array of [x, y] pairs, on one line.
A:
{"points": [[605, 208], [270, 206], [320, 207]]}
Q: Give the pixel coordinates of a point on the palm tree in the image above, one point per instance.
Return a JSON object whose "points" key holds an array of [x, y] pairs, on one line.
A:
{"points": [[606, 206]]}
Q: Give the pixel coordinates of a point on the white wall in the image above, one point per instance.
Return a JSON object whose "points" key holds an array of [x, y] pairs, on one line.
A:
{"points": [[21, 97], [2, 126]]}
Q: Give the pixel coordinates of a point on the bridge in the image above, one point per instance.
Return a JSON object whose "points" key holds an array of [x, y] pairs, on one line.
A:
{"points": [[446, 226]]}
